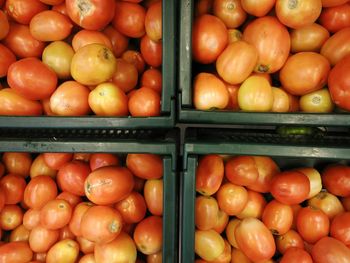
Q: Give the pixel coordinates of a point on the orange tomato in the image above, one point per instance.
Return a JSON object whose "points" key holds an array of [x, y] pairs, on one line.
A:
{"points": [[328, 203], [221, 222], [277, 217], [66, 250], [77, 215], [133, 208], [42, 239], [144, 102], [153, 21], [208, 244], [126, 75], [118, 40], [23, 252], [39, 167], [13, 186], [232, 199], [40, 190], [295, 254], [146, 166], [230, 12], [6, 59], [31, 218], [72, 199], [134, 57], [11, 216], [254, 206], [85, 37], [153, 193], [98, 160], [280, 100], [86, 246], [335, 18], [258, 8], [241, 170], [20, 233], [23, 11], [57, 160], [151, 51], [55, 214], [206, 212], [290, 239], [152, 78], [4, 25]]}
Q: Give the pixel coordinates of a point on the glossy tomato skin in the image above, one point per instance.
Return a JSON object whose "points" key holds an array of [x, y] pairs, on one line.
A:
{"points": [[230, 12], [126, 75], [32, 79], [206, 210], [133, 208], [254, 206], [335, 18], [23, 11], [152, 78], [209, 38], [328, 203], [331, 3], [296, 255], [241, 170], [290, 239], [153, 194], [17, 162], [232, 199], [85, 37], [55, 214], [151, 51], [153, 21], [11, 216], [6, 59], [145, 166], [22, 254], [41, 239], [13, 185], [66, 250], [338, 83], [57, 160], [328, 250], [77, 215], [258, 8], [336, 179], [98, 160], [94, 15], [277, 217], [119, 41], [340, 227], [4, 25]]}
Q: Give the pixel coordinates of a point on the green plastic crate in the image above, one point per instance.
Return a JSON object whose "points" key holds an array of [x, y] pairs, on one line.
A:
{"points": [[288, 152], [188, 114], [167, 118], [112, 141]]}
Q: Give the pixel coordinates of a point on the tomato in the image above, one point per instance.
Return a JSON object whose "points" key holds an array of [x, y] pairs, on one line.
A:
{"points": [[50, 25], [318, 101], [336, 47], [65, 233], [84, 157], [309, 70], [153, 193], [57, 160], [85, 37], [346, 203], [308, 38], [338, 84], [108, 185], [2, 199], [152, 78], [225, 256], [63, 251], [280, 100], [58, 56], [237, 62], [101, 224], [234, 35], [290, 187], [42, 239], [312, 224], [146, 166], [55, 214], [230, 12], [296, 14], [135, 57], [257, 8], [277, 217], [23, 11], [13, 186], [221, 222], [132, 208], [77, 215], [238, 256], [31, 218], [39, 257], [155, 258], [18, 252], [93, 64], [40, 190], [273, 50], [340, 228], [254, 206], [203, 7], [208, 244], [330, 3], [6, 59], [70, 99], [126, 75], [290, 239], [314, 178], [22, 43], [296, 255], [255, 94], [336, 180], [129, 19], [335, 18], [52, 2], [4, 25], [328, 250], [153, 21], [85, 245], [209, 92], [39, 167], [255, 240], [72, 199], [20, 233], [232, 199], [17, 162], [206, 212], [91, 14], [241, 170], [230, 231], [233, 97], [151, 51], [209, 38], [98, 160], [328, 203], [118, 40], [121, 249], [11, 216]]}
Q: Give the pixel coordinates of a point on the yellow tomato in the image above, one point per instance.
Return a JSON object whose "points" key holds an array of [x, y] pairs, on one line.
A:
{"points": [[319, 101], [208, 244]]}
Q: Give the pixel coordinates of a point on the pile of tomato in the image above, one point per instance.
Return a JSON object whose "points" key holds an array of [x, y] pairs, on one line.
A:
{"points": [[76, 58], [271, 55], [248, 209], [81, 207]]}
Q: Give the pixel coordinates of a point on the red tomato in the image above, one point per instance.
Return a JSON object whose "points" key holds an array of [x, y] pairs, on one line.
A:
{"points": [[257, 8], [312, 224], [231, 198], [17, 162], [50, 26], [118, 40], [71, 177], [85, 37], [22, 11], [77, 215], [255, 239], [72, 199], [13, 186], [290, 239], [146, 166], [328, 250], [23, 252], [129, 19], [340, 227], [346, 203], [4, 25], [108, 185], [91, 14], [42, 239], [57, 160], [209, 92], [52, 2], [32, 78], [330, 3], [309, 70], [336, 179], [31, 218], [151, 51], [101, 224], [126, 75], [230, 12], [254, 207], [153, 193], [152, 78], [85, 157], [70, 99], [132, 208], [237, 62], [203, 7], [153, 21], [55, 214], [277, 217], [2, 199], [98, 160], [205, 212], [135, 57], [11, 216], [336, 47], [62, 8], [209, 38], [148, 235], [22, 43], [273, 50], [241, 170], [6, 59], [290, 187], [335, 18], [328, 203], [296, 255]]}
